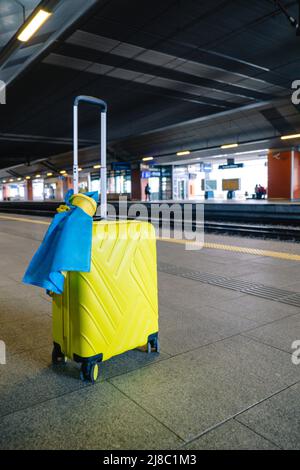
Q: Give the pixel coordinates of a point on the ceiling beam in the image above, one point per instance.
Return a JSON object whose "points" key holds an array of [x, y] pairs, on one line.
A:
{"points": [[42, 139]]}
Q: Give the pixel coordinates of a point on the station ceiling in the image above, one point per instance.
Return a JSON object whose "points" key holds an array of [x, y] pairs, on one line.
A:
{"points": [[175, 74]]}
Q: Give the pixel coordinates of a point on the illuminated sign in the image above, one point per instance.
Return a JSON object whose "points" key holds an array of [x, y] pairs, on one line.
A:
{"points": [[231, 184], [231, 166]]}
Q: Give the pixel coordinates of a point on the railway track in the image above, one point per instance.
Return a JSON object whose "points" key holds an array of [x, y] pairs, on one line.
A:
{"points": [[276, 232], [284, 229]]}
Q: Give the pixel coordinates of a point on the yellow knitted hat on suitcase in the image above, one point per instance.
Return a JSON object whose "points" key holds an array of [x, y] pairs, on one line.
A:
{"points": [[86, 203]]}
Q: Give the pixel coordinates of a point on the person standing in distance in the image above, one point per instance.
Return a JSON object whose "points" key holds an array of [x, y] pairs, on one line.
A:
{"points": [[148, 192]]}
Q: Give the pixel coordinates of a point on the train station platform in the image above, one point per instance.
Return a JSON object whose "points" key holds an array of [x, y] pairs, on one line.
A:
{"points": [[225, 378]]}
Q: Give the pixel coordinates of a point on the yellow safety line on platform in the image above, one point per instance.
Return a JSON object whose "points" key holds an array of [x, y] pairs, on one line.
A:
{"points": [[238, 249], [20, 219], [213, 246], [253, 251]]}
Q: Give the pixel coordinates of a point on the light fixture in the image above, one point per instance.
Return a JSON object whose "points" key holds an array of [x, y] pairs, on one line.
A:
{"points": [[49, 174], [182, 153], [11, 180], [229, 146], [37, 176], [4, 181], [36, 22], [291, 136], [19, 179], [63, 172], [148, 159], [97, 166], [27, 178]]}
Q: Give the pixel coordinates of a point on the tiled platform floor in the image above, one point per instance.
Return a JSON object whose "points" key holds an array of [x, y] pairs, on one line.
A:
{"points": [[224, 378]]}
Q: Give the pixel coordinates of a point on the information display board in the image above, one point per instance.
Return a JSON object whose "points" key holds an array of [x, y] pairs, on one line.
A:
{"points": [[231, 184], [208, 185], [211, 185]]}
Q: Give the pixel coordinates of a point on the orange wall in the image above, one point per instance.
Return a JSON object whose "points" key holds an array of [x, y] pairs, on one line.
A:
{"points": [[296, 175], [279, 175]]}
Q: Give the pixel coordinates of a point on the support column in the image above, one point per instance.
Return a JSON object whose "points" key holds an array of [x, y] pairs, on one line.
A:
{"points": [[28, 190], [284, 174], [5, 192], [136, 185], [280, 181], [296, 175], [59, 193], [67, 184], [62, 187], [89, 182]]}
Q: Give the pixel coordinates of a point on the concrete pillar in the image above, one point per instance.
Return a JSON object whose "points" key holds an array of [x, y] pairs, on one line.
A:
{"points": [[296, 174], [28, 190], [67, 184], [59, 193], [279, 174], [5, 192], [89, 182], [136, 185], [63, 185]]}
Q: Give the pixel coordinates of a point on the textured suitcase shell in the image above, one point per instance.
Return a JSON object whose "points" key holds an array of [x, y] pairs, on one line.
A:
{"points": [[114, 307]]}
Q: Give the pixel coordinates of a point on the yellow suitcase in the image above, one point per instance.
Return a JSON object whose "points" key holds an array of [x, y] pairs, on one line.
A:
{"points": [[114, 307]]}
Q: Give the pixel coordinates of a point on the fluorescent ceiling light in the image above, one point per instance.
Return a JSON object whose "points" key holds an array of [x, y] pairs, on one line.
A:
{"points": [[252, 151], [184, 152], [11, 180], [97, 166], [27, 178], [79, 169], [4, 181], [19, 179], [37, 176], [63, 172], [147, 159], [229, 146], [291, 136], [32, 27], [49, 174]]}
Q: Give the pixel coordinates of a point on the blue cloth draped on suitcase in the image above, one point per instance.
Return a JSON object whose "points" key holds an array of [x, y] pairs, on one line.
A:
{"points": [[66, 247]]}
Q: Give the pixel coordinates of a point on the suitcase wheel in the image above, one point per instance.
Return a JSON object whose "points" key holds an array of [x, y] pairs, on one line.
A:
{"points": [[58, 358], [153, 345], [89, 372]]}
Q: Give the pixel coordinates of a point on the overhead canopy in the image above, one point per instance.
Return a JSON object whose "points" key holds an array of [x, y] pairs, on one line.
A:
{"points": [[192, 74]]}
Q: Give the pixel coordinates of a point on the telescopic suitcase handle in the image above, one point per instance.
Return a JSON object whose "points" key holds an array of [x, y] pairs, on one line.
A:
{"points": [[103, 106]]}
